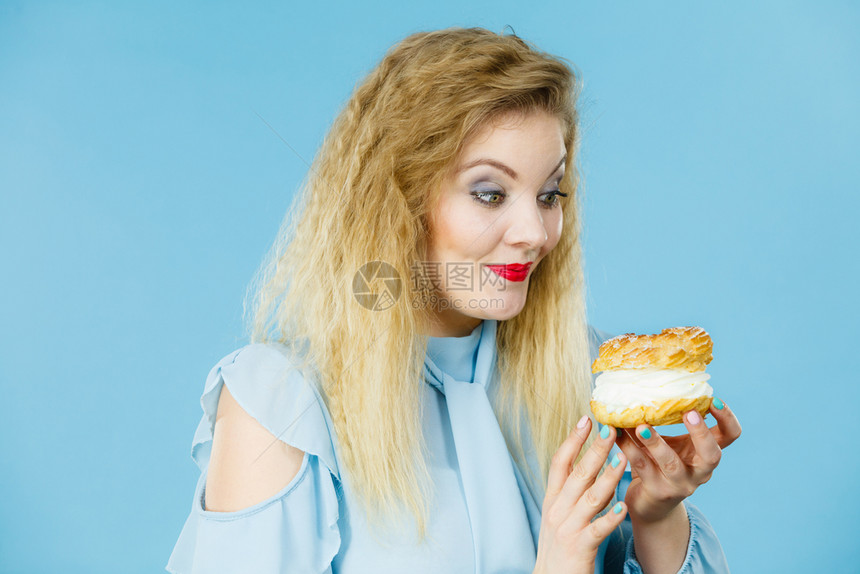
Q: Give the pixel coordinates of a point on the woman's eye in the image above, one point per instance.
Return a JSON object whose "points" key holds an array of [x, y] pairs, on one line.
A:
{"points": [[494, 198], [491, 198], [551, 199]]}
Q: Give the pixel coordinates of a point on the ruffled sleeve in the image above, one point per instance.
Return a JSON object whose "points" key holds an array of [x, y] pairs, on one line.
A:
{"points": [[294, 530]]}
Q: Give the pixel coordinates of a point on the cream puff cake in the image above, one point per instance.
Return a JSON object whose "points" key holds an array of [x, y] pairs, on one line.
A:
{"points": [[652, 379]]}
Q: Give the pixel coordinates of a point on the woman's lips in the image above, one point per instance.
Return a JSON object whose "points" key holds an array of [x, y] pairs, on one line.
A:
{"points": [[512, 272]]}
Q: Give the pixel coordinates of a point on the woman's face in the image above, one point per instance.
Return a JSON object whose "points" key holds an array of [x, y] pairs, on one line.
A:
{"points": [[497, 217]]}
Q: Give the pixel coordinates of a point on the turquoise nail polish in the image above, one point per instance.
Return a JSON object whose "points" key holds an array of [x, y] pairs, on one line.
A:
{"points": [[615, 461], [604, 432], [718, 403], [617, 508], [646, 434]]}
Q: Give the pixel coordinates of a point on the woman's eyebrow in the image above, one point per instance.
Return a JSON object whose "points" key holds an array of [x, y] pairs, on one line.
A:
{"points": [[500, 166]]}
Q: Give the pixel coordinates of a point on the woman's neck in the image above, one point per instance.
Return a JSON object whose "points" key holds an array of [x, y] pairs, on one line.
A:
{"points": [[451, 326]]}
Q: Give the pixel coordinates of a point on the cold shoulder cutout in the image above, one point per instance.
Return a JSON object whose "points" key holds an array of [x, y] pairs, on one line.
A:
{"points": [[295, 530], [266, 385]]}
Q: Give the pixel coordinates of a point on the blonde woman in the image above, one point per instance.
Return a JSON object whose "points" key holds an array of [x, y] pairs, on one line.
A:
{"points": [[415, 394]]}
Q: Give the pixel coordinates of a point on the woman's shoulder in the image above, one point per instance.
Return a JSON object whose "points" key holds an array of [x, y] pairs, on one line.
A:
{"points": [[270, 384]]}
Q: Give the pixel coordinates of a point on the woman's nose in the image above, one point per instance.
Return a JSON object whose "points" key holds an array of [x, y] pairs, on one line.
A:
{"points": [[526, 227]]}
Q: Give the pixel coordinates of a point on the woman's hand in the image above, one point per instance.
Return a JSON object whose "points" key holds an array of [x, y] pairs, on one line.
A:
{"points": [[666, 470], [569, 538]]}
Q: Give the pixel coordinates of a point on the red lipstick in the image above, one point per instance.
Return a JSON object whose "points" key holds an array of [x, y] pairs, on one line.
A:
{"points": [[512, 272]]}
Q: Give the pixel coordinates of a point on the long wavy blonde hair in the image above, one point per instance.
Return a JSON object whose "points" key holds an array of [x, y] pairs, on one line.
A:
{"points": [[367, 197]]}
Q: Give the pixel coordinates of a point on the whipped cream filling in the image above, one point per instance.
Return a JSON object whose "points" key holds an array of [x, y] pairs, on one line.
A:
{"points": [[626, 388]]}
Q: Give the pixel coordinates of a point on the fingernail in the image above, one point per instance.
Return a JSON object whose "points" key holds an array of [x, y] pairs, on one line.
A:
{"points": [[615, 461], [582, 422], [617, 508], [718, 403], [604, 432], [693, 418], [646, 433]]}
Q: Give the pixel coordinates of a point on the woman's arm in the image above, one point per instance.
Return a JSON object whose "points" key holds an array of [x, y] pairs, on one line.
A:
{"points": [[661, 546]]}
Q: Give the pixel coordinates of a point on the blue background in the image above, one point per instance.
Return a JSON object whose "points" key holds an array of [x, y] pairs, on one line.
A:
{"points": [[141, 187]]}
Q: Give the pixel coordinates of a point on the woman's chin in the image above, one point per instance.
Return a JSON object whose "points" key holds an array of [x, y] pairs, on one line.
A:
{"points": [[504, 314], [500, 307]]}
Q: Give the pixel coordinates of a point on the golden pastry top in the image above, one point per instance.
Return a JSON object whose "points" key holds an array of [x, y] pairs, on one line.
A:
{"points": [[687, 348]]}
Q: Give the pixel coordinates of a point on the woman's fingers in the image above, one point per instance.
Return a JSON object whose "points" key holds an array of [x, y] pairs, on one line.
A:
{"points": [[601, 527], [586, 470], [641, 463], [664, 456], [597, 496], [569, 538], [581, 477], [728, 427], [708, 452], [559, 468]]}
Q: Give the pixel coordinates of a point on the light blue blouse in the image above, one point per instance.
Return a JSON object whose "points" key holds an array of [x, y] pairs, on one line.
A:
{"points": [[484, 517]]}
